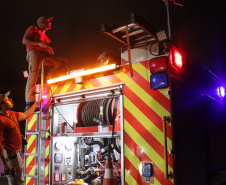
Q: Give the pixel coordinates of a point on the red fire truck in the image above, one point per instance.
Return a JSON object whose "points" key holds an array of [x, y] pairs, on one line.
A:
{"points": [[155, 113]]}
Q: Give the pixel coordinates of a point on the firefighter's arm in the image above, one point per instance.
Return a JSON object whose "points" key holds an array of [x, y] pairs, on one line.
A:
{"points": [[3, 158], [28, 40], [28, 37], [27, 113]]}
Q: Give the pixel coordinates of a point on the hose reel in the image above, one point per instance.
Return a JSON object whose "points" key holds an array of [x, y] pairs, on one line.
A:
{"points": [[87, 111]]}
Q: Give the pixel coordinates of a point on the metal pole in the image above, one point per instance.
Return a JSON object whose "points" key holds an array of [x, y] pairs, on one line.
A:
{"points": [[129, 51], [40, 126], [168, 19], [165, 148]]}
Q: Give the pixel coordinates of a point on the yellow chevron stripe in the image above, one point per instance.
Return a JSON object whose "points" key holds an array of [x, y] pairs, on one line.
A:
{"points": [[129, 179], [132, 157], [66, 86], [32, 121], [149, 151], [47, 170], [151, 127], [138, 67], [28, 179], [30, 141], [47, 151], [142, 70], [120, 74], [88, 85], [136, 162], [103, 80], [146, 98], [77, 87], [53, 88], [29, 159], [32, 172]]}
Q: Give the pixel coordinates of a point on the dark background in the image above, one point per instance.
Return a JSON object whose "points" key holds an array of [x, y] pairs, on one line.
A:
{"points": [[197, 28]]}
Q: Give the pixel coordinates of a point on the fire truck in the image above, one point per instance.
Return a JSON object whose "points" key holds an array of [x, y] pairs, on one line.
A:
{"points": [[154, 115]]}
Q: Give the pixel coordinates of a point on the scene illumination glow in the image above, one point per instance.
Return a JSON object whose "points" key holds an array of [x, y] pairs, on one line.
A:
{"points": [[82, 73]]}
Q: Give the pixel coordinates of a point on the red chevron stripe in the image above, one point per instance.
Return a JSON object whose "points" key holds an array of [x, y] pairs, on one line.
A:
{"points": [[159, 175], [112, 78], [32, 146], [95, 82], [145, 85], [147, 136], [146, 110], [30, 166], [133, 171], [31, 182], [59, 87], [71, 87]]}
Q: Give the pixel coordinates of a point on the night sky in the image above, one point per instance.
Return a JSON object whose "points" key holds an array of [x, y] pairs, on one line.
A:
{"points": [[198, 28]]}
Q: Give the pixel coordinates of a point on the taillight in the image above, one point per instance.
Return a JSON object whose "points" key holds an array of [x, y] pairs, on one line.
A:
{"points": [[175, 58]]}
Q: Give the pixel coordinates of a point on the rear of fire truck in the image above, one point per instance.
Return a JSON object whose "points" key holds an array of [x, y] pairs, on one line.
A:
{"points": [[145, 115]]}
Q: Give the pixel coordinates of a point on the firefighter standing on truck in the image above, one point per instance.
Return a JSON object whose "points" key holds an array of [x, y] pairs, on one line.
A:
{"points": [[11, 138], [39, 47]]}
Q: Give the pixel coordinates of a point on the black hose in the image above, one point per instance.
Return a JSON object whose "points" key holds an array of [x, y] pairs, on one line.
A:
{"points": [[92, 142]]}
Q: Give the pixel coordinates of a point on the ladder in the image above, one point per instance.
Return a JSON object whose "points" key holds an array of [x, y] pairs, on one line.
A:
{"points": [[34, 165]]}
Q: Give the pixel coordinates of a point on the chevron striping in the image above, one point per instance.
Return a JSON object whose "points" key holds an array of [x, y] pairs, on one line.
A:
{"points": [[103, 80], [32, 121], [47, 171], [120, 75], [129, 179], [153, 129], [29, 160], [113, 77], [150, 152], [155, 144], [142, 70], [30, 181], [155, 94], [88, 85], [30, 163], [145, 97], [133, 147], [65, 87], [136, 164], [144, 66], [31, 144]]}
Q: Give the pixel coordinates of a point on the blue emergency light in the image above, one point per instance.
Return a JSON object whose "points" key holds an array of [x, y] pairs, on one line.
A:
{"points": [[221, 92], [159, 81]]}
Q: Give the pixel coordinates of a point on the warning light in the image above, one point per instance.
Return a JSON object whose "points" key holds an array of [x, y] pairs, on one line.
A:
{"points": [[82, 73], [175, 58], [159, 81], [158, 65], [221, 92]]}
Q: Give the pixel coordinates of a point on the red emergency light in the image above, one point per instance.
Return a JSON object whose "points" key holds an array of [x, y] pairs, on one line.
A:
{"points": [[158, 65], [175, 58]]}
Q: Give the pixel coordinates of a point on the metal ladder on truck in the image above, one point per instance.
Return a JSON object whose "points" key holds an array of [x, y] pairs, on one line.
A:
{"points": [[35, 170]]}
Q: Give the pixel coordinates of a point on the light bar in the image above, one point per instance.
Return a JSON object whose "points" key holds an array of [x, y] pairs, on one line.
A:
{"points": [[82, 73]]}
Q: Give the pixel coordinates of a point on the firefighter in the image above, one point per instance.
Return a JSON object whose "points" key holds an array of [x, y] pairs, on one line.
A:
{"points": [[11, 138], [39, 47]]}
